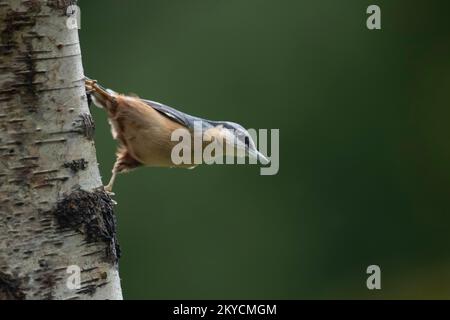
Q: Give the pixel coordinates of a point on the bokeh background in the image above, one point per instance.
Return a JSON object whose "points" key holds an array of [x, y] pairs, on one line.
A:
{"points": [[364, 135]]}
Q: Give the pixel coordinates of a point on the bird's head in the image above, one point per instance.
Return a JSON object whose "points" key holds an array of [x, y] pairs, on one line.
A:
{"points": [[236, 140]]}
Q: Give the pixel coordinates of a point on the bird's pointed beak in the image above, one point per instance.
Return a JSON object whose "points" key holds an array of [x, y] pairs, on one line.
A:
{"points": [[255, 154]]}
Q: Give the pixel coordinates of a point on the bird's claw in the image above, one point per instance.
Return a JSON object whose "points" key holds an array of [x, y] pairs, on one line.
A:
{"points": [[109, 191], [90, 81], [110, 194], [92, 87], [89, 84]]}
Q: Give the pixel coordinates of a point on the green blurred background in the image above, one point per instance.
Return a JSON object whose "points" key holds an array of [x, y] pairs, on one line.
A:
{"points": [[364, 146]]}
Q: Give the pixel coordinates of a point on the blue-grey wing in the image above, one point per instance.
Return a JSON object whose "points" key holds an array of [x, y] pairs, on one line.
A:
{"points": [[169, 112], [178, 116]]}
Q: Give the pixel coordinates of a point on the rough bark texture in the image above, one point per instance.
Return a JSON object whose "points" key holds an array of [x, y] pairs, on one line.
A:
{"points": [[53, 210]]}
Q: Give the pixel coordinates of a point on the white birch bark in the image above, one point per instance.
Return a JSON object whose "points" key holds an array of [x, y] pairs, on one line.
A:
{"points": [[53, 211]]}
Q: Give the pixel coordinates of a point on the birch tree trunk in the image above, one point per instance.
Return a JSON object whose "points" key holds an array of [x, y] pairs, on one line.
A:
{"points": [[53, 211]]}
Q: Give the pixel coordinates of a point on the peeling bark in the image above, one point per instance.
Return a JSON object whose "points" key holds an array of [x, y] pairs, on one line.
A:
{"points": [[53, 210]]}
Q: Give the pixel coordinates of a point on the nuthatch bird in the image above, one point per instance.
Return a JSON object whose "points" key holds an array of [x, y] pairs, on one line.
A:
{"points": [[144, 129]]}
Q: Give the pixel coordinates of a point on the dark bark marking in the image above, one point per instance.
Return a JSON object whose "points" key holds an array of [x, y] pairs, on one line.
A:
{"points": [[10, 288], [86, 125], [61, 4], [76, 165], [11, 40], [90, 213], [47, 281]]}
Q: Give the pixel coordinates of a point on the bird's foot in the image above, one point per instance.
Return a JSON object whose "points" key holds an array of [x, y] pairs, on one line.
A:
{"points": [[109, 192], [92, 87], [88, 84]]}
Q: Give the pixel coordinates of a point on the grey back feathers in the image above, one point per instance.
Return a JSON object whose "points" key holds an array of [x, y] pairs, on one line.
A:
{"points": [[188, 120]]}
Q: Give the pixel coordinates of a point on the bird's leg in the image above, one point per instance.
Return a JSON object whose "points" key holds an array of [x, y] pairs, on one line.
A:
{"points": [[109, 186], [125, 162], [89, 83], [102, 96], [100, 91]]}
